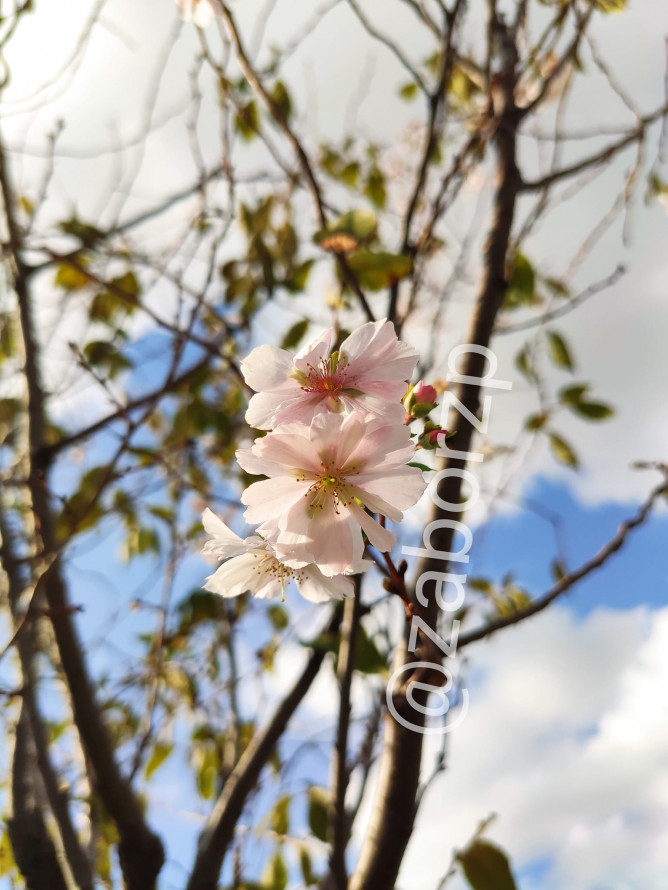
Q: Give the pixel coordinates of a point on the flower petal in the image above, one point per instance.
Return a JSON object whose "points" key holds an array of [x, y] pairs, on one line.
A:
{"points": [[237, 575], [309, 357], [224, 542], [270, 498], [381, 538], [266, 368], [318, 588]]}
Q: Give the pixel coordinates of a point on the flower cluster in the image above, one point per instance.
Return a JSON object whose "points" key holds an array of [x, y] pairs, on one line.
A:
{"points": [[336, 452]]}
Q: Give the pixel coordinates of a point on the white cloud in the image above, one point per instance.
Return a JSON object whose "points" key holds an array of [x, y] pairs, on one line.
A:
{"points": [[567, 741]]}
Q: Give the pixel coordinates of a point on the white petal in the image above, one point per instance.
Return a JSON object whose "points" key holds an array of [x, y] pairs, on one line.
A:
{"points": [[236, 576], [309, 357], [224, 542], [271, 498], [402, 487], [317, 588], [266, 368], [380, 538], [262, 409]]}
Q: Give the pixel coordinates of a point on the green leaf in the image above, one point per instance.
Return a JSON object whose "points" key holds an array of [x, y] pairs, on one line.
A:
{"points": [[128, 284], [521, 290], [536, 421], [282, 100], [524, 363], [559, 351], [593, 410], [298, 277], [280, 815], [610, 5], [307, 867], [318, 811], [85, 232], [368, 658], [295, 334], [423, 467], [557, 569], [483, 585], [105, 354], [347, 232], [374, 188], [376, 271], [462, 87], [572, 395], [6, 856], [275, 876], [161, 752], [71, 278], [7, 337], [278, 617], [563, 451], [486, 867], [409, 90], [10, 410], [558, 288], [247, 121], [349, 174]]}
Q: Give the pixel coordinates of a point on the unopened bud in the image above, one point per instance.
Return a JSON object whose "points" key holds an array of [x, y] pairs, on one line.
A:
{"points": [[419, 401]]}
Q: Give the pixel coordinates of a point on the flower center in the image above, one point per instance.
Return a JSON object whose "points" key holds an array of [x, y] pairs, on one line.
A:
{"points": [[328, 378], [327, 488]]}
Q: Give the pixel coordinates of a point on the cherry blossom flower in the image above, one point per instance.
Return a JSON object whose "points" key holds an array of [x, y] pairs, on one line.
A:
{"points": [[251, 566], [321, 477], [369, 371], [199, 12]]}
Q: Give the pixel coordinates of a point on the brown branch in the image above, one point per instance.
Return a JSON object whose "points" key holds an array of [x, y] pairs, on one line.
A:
{"points": [[339, 823], [566, 307], [571, 578], [395, 805], [600, 157], [373, 32], [48, 452], [140, 850], [218, 834], [255, 83], [33, 849], [437, 101], [32, 740]]}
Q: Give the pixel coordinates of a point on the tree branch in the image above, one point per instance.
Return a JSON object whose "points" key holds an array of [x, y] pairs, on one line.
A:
{"points": [[395, 806], [218, 834], [571, 578], [255, 83], [32, 744], [140, 850], [600, 157], [339, 823]]}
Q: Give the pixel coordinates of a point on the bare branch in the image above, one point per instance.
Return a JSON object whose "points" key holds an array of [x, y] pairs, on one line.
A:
{"points": [[303, 160], [339, 825], [218, 835], [600, 157], [571, 578], [140, 850]]}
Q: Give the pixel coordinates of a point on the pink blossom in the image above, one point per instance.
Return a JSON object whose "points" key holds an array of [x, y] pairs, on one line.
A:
{"points": [[321, 477], [199, 12], [419, 401], [369, 371], [424, 393], [251, 566], [429, 439]]}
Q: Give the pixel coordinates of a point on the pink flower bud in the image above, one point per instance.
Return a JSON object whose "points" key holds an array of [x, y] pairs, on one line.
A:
{"points": [[429, 439], [424, 393]]}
